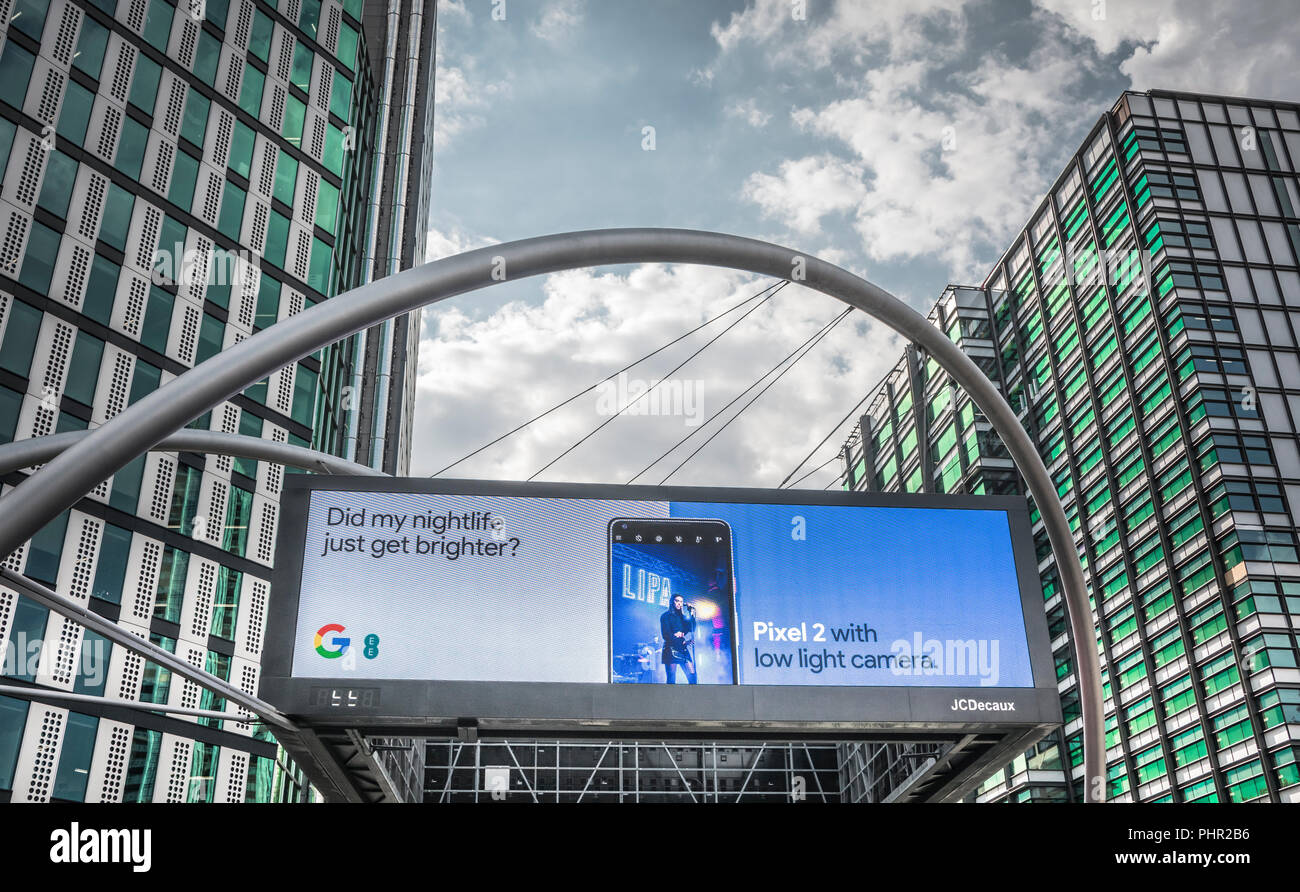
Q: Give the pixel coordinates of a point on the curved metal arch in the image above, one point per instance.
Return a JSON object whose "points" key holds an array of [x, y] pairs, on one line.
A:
{"points": [[59, 485], [35, 451]]}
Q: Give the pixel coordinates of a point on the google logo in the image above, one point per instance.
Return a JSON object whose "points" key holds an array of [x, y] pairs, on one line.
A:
{"points": [[341, 645]]}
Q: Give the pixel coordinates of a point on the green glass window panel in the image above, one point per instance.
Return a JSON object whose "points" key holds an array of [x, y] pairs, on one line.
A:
{"points": [[74, 116], [92, 664], [11, 404], [309, 17], [300, 76], [341, 96], [195, 123], [28, 624], [158, 24], [91, 45], [185, 500], [286, 176], [142, 769], [268, 302], [211, 332], [250, 426], [101, 289], [13, 721], [232, 211], [157, 320], [131, 145], [29, 17], [169, 596], [171, 248], [7, 129], [304, 395], [217, 12], [110, 569], [257, 393], [83, 370], [125, 493], [333, 157], [277, 238], [259, 41], [241, 149], [347, 46], [353, 8], [38, 264], [144, 83], [319, 272], [218, 290], [185, 174], [46, 550], [144, 381], [74, 757], [206, 58], [294, 113], [15, 71], [250, 90], [56, 188], [239, 509]]}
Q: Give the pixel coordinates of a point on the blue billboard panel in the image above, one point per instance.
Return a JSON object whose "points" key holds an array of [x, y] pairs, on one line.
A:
{"points": [[752, 591]]}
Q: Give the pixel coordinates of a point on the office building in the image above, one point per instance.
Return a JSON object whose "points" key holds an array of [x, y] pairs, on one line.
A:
{"points": [[178, 176], [1144, 325]]}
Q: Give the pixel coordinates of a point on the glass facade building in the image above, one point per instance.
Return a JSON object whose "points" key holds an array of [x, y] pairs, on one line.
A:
{"points": [[1144, 325], [177, 176]]}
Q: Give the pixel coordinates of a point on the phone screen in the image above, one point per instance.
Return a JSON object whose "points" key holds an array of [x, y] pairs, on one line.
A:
{"points": [[672, 605]]}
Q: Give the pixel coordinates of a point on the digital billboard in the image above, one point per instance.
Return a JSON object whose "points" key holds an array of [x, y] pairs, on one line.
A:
{"points": [[601, 603]]}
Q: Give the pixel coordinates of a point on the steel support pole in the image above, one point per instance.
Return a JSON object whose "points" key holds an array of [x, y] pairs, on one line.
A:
{"points": [[66, 479], [147, 649]]}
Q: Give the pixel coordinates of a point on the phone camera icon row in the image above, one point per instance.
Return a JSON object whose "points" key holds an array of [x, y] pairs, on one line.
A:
{"points": [[678, 540]]}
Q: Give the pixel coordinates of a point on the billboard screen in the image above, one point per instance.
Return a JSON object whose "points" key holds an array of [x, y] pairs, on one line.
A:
{"points": [[420, 582]]}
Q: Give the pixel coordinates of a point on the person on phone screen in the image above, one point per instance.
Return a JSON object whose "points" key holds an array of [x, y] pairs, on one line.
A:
{"points": [[676, 626]]}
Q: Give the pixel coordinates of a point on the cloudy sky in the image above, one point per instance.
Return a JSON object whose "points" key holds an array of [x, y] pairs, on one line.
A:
{"points": [[905, 141]]}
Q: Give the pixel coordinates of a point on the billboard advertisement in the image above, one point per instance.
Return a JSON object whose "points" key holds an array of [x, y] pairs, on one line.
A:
{"points": [[419, 582]]}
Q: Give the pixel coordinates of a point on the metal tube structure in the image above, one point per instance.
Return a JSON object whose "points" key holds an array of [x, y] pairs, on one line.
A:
{"points": [[41, 695], [37, 450], [66, 479], [147, 649], [26, 453]]}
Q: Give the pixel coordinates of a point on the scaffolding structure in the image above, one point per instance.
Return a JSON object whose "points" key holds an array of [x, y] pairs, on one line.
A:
{"points": [[632, 771]]}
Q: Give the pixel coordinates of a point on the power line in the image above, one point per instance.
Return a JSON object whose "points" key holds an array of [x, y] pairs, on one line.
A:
{"points": [[587, 390], [810, 344], [651, 389], [823, 442], [736, 398], [814, 471]]}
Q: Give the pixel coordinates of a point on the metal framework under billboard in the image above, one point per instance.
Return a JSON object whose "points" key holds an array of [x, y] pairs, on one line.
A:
{"points": [[424, 607], [60, 484]]}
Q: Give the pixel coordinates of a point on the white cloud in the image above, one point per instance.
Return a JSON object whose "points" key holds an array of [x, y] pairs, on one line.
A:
{"points": [[702, 76], [935, 160], [558, 20], [749, 112], [1244, 48], [480, 377], [459, 97], [439, 244], [806, 190], [456, 8], [849, 29]]}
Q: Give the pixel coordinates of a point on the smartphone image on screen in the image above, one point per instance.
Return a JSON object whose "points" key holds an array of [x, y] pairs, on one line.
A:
{"points": [[672, 602]]}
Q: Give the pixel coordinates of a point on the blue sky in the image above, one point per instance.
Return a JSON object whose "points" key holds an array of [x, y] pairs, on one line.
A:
{"points": [[907, 142]]}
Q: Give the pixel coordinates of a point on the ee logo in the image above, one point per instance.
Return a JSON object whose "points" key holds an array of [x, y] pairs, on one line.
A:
{"points": [[331, 643]]}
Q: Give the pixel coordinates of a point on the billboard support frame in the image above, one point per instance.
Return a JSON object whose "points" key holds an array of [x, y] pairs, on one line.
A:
{"points": [[65, 480]]}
